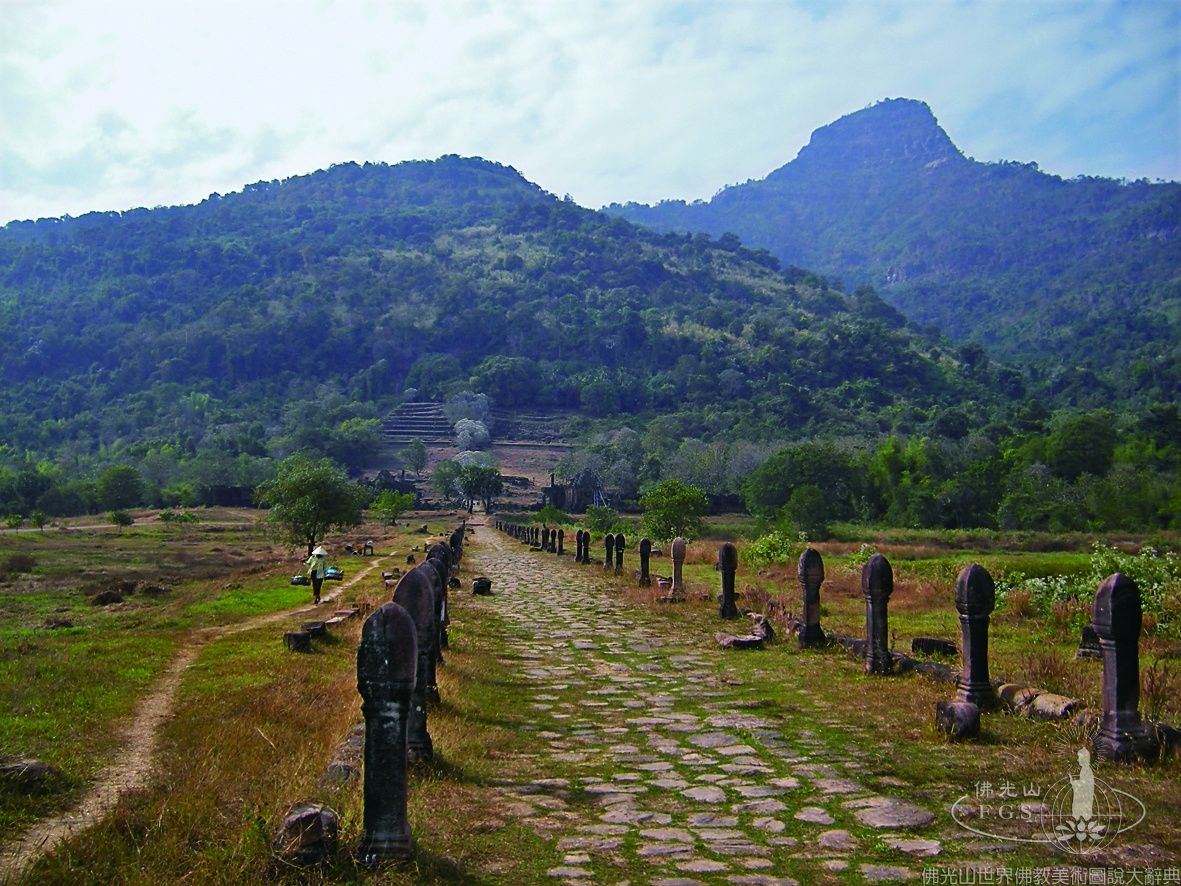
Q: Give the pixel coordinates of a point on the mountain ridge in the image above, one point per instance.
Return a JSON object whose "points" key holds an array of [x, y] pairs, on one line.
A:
{"points": [[1026, 263]]}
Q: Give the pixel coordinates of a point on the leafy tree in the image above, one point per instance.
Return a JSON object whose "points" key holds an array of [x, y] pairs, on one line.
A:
{"points": [[445, 478], [415, 456], [308, 498], [355, 441], [120, 519], [673, 508], [119, 487], [479, 483], [391, 505], [809, 511], [1082, 444], [471, 434], [38, 519]]}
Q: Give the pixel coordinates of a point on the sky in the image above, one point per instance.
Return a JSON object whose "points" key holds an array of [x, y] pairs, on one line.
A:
{"points": [[109, 105]]}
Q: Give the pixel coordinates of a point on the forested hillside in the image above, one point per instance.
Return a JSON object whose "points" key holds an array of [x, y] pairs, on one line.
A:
{"points": [[159, 355], [240, 318], [1068, 273]]}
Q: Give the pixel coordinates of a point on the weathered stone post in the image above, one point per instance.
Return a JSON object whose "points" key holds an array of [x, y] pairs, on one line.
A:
{"points": [[877, 583], [975, 598], [620, 544], [609, 542], [578, 546], [1117, 618], [415, 594], [645, 560], [678, 555], [561, 541], [386, 671], [728, 566], [810, 570]]}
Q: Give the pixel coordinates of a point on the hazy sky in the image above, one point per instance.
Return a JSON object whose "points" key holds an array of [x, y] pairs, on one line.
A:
{"points": [[108, 105]]}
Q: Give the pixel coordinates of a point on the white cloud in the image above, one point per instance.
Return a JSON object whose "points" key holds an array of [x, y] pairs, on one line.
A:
{"points": [[113, 104]]}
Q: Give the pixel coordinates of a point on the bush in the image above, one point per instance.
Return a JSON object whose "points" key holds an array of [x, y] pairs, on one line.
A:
{"points": [[550, 514], [121, 518], [601, 519], [1158, 576], [19, 563], [774, 547]]}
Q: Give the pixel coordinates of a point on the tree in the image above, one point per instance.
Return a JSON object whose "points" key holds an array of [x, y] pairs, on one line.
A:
{"points": [[479, 483], [38, 519], [415, 456], [673, 508], [445, 478], [308, 498], [120, 519], [391, 505], [470, 434], [119, 487]]}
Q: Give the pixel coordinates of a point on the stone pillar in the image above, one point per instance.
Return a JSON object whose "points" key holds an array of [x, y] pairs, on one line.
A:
{"points": [[728, 566], [1117, 618], [975, 598], [877, 583], [386, 671], [415, 594], [609, 542], [811, 575], [678, 557], [620, 543], [561, 541], [578, 546], [645, 560]]}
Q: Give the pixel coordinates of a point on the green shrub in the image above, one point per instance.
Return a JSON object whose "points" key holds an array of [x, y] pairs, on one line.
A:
{"points": [[774, 547]]}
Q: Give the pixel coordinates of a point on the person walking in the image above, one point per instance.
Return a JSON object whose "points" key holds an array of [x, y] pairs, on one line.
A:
{"points": [[317, 568]]}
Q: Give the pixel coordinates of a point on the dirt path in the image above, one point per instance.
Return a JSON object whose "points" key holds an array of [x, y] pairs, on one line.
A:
{"points": [[672, 770], [136, 752]]}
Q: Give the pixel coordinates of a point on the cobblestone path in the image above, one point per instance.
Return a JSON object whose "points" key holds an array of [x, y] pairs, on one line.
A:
{"points": [[669, 767]]}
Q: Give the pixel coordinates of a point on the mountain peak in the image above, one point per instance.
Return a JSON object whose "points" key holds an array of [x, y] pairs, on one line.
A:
{"points": [[893, 132]]}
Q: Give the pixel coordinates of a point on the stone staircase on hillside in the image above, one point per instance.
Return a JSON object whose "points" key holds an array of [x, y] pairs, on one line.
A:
{"points": [[424, 421]]}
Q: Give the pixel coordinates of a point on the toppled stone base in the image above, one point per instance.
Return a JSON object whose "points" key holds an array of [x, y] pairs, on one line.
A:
{"points": [[308, 834]]}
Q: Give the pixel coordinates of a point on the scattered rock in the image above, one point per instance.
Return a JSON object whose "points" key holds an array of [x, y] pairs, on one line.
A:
{"points": [[837, 841], [889, 812], [876, 873], [106, 598], [308, 834], [26, 773]]}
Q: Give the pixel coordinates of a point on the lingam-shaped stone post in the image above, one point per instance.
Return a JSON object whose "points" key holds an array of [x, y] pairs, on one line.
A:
{"points": [[975, 598], [386, 671], [578, 541], [877, 583], [728, 566], [620, 544], [811, 574], [561, 541], [645, 561], [678, 554], [609, 543], [1117, 618], [586, 542], [415, 594]]}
